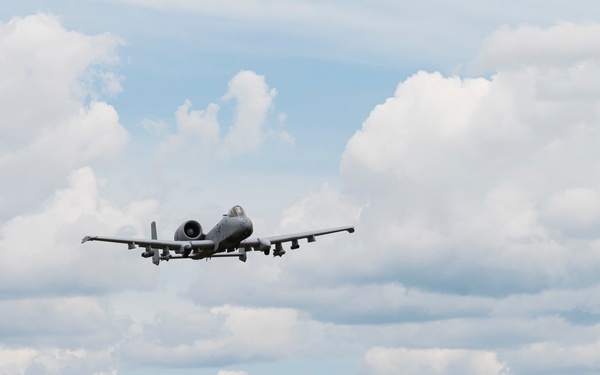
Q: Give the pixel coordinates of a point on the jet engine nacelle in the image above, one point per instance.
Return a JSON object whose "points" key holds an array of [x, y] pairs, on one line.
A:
{"points": [[189, 231]]}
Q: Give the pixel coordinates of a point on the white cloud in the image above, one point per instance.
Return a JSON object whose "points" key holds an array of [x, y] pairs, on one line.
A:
{"points": [[110, 83], [575, 211], [482, 166], [456, 186], [46, 256], [14, 361], [544, 357], [53, 136], [156, 127], [225, 334], [484, 186], [51, 133], [528, 45], [383, 361], [199, 133], [55, 361], [254, 101], [94, 134], [334, 210], [202, 124], [197, 136], [91, 136], [60, 322], [46, 128], [43, 73]]}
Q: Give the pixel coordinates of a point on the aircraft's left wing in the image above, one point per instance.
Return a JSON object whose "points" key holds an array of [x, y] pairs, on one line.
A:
{"points": [[178, 246], [264, 243]]}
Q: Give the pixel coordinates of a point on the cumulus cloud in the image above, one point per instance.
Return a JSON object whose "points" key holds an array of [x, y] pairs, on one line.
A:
{"points": [[52, 134], [47, 258], [379, 303], [53, 130], [203, 123], [456, 186], [473, 198], [220, 335], [254, 101], [335, 210], [92, 134], [476, 186], [481, 170], [199, 131], [60, 322], [574, 211], [15, 361], [47, 126], [382, 361], [560, 45], [59, 361], [44, 73], [544, 357]]}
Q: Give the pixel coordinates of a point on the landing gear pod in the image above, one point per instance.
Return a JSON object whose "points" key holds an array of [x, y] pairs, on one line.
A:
{"points": [[278, 250], [243, 255]]}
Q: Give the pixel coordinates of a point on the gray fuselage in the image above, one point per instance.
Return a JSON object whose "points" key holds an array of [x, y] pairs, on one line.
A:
{"points": [[232, 229]]}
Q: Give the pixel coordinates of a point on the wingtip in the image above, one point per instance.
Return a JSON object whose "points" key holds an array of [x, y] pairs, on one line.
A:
{"points": [[86, 239], [351, 230]]}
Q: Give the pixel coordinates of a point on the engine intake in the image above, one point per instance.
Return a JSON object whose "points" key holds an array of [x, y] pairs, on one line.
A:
{"points": [[189, 231]]}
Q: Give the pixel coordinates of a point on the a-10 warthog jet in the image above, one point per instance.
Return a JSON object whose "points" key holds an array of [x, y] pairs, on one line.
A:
{"points": [[229, 238]]}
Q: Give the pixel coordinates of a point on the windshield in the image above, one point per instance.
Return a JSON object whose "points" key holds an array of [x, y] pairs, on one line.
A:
{"points": [[237, 211]]}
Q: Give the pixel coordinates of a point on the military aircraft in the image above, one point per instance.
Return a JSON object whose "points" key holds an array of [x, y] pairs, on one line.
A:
{"points": [[229, 238]]}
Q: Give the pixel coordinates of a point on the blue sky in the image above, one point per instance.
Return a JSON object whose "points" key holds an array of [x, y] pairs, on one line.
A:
{"points": [[460, 139]]}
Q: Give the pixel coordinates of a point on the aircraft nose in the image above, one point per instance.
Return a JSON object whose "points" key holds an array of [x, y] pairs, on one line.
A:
{"points": [[247, 227]]}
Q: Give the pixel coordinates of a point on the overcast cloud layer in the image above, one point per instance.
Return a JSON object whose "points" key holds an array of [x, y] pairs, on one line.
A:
{"points": [[476, 202]]}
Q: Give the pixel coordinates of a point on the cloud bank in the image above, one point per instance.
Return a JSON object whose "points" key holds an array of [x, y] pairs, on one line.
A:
{"points": [[476, 202], [435, 361], [482, 187], [54, 130], [48, 125]]}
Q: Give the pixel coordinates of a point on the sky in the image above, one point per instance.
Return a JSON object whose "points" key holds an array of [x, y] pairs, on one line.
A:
{"points": [[460, 139]]}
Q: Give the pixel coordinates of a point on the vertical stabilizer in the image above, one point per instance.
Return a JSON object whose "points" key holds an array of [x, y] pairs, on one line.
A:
{"points": [[156, 255], [153, 230]]}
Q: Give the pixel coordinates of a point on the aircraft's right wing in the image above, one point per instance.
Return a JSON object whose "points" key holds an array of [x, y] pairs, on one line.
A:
{"points": [[264, 243]]}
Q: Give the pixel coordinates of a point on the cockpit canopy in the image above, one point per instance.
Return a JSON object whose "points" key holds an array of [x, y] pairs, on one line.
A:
{"points": [[236, 211]]}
